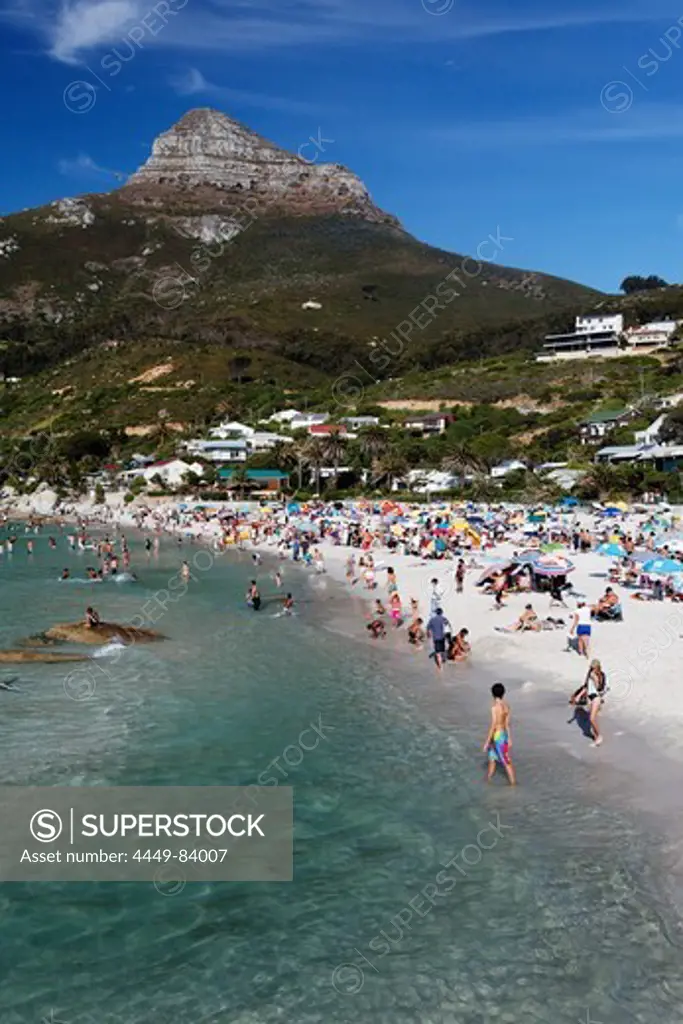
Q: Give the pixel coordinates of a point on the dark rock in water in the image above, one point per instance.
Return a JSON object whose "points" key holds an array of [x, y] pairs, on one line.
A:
{"points": [[39, 640], [79, 633], [46, 657]]}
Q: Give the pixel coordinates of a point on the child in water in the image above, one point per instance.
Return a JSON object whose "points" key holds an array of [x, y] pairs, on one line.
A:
{"points": [[498, 739]]}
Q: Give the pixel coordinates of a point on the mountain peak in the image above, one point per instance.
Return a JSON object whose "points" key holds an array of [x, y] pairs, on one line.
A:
{"points": [[212, 158]]}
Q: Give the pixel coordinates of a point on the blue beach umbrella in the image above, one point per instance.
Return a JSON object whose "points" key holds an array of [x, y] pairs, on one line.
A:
{"points": [[612, 549], [663, 566], [569, 502]]}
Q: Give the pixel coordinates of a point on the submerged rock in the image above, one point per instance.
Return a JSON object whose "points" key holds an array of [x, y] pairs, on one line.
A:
{"points": [[48, 657], [79, 633]]}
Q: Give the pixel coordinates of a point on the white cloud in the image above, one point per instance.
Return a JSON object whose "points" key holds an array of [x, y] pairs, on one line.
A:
{"points": [[86, 25], [193, 83], [78, 26], [83, 166]]}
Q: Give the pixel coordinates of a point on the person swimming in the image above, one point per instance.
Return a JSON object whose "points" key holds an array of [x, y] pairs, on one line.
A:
{"points": [[288, 605], [253, 596]]}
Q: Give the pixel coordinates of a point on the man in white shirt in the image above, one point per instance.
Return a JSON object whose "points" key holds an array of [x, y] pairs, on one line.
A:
{"points": [[581, 626]]}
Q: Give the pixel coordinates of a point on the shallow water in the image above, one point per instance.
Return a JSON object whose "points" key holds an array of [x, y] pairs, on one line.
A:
{"points": [[554, 906]]}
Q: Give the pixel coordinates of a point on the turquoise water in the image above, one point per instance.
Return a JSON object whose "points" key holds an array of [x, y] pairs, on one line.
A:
{"points": [[554, 906]]}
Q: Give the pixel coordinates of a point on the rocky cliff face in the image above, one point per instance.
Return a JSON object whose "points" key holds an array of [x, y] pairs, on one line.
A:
{"points": [[208, 158]]}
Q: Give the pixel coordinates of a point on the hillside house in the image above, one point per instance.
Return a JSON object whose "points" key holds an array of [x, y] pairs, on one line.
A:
{"points": [[360, 422], [429, 426], [665, 458], [325, 429], [592, 335], [600, 424], [651, 434], [170, 471], [511, 466]]}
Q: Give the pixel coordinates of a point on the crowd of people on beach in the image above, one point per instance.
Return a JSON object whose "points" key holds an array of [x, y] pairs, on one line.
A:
{"points": [[645, 557]]}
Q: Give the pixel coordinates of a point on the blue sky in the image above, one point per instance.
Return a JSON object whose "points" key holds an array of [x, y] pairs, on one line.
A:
{"points": [[558, 123]]}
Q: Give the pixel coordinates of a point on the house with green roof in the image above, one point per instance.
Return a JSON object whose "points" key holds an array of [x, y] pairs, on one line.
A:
{"points": [[262, 479], [602, 422]]}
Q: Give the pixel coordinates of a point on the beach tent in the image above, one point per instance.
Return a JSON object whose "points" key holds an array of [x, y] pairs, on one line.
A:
{"points": [[568, 502], [293, 508]]}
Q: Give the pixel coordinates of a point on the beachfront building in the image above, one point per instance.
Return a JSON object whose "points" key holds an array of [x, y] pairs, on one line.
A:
{"points": [[259, 479], [600, 424], [428, 426]]}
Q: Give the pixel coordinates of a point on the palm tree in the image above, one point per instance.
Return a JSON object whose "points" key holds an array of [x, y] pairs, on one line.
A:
{"points": [[334, 450], [239, 480], [391, 465], [314, 455], [286, 455], [462, 460], [373, 443], [601, 479]]}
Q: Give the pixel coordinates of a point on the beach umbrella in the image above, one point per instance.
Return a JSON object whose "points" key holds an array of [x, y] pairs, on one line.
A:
{"points": [[663, 566], [569, 502], [612, 550], [492, 569], [553, 570], [530, 555]]}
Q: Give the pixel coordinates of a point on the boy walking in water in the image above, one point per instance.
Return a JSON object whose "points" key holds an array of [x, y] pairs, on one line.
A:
{"points": [[498, 740]]}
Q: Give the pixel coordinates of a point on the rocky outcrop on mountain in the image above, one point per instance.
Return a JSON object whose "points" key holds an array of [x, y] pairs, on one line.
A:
{"points": [[211, 159]]}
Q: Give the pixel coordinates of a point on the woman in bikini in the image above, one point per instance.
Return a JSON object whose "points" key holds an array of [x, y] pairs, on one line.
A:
{"points": [[590, 697]]}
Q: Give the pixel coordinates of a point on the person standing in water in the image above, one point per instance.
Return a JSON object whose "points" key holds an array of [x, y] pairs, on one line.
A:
{"points": [[590, 697], [499, 739]]}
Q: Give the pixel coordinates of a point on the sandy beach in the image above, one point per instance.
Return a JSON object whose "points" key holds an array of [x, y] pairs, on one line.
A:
{"points": [[642, 655]]}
